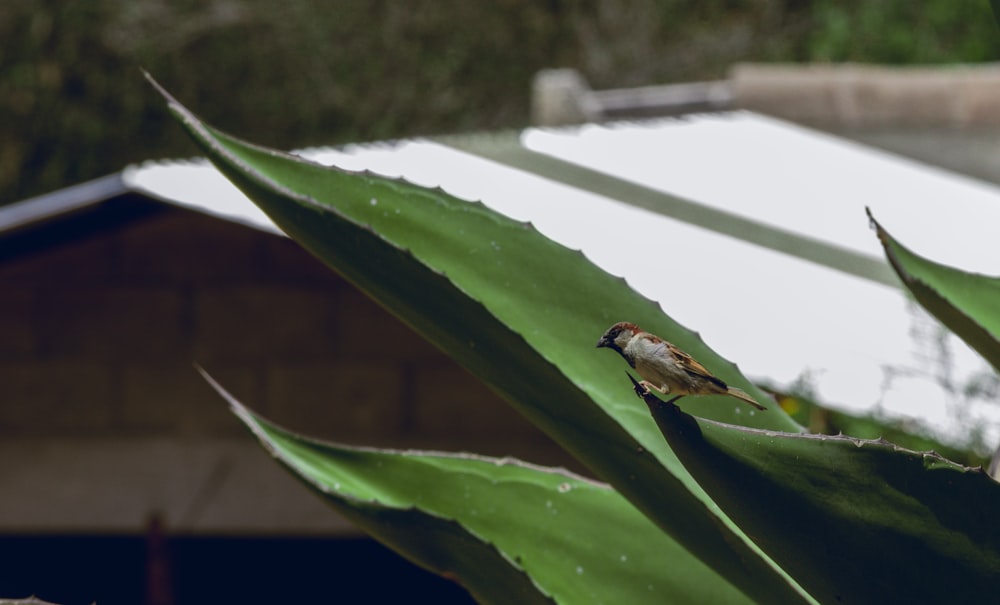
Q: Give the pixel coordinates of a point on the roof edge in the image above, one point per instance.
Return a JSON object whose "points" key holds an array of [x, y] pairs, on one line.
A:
{"points": [[45, 207]]}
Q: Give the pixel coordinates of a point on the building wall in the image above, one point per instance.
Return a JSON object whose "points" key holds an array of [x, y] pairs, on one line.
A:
{"points": [[103, 414]]}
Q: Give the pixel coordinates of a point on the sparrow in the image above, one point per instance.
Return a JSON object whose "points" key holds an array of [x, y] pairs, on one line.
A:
{"points": [[664, 367]]}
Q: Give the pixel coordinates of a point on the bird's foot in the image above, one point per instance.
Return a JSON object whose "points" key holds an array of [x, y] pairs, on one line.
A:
{"points": [[641, 387]]}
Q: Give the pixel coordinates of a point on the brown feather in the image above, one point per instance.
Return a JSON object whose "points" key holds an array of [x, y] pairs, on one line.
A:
{"points": [[693, 366], [745, 397]]}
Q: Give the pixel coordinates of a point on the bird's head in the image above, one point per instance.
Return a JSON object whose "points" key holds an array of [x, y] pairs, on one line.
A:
{"points": [[618, 335]]}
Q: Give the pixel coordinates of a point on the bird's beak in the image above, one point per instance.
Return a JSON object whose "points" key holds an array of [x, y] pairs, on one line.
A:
{"points": [[603, 342]]}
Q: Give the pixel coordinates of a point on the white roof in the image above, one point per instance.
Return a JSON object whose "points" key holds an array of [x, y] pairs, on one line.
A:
{"points": [[858, 343]]}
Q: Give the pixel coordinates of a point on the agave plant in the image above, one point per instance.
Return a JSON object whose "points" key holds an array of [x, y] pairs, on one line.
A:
{"points": [[729, 507]]}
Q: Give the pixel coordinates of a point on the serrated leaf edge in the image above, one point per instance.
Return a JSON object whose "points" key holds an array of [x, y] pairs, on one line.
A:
{"points": [[253, 424]]}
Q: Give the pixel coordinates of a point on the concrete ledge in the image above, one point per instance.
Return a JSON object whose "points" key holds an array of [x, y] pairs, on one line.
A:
{"points": [[833, 96], [870, 96]]}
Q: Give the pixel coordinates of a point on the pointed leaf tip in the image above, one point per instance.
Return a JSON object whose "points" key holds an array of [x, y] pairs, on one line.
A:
{"points": [[169, 98], [967, 303]]}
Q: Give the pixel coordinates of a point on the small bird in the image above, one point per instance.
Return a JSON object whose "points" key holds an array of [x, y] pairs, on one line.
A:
{"points": [[664, 367]]}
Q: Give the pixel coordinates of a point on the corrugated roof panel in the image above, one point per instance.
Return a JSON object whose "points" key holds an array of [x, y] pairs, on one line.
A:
{"points": [[197, 185], [796, 179]]}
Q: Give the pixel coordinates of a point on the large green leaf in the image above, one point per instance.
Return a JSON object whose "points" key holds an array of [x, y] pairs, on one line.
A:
{"points": [[508, 531], [854, 521], [520, 311], [968, 303]]}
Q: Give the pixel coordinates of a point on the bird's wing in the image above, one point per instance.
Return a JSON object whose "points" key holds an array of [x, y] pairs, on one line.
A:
{"points": [[692, 366]]}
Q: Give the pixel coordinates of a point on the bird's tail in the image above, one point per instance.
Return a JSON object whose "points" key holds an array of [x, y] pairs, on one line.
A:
{"points": [[743, 396]]}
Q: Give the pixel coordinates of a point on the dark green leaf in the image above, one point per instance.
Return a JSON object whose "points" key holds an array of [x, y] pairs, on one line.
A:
{"points": [[508, 531], [968, 303], [853, 521]]}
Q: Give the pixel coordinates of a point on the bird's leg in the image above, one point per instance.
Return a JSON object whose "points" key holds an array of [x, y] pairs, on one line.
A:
{"points": [[644, 389], [651, 386]]}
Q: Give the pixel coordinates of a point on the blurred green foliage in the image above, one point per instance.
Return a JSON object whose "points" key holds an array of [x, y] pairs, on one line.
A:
{"points": [[909, 434], [301, 73], [900, 31]]}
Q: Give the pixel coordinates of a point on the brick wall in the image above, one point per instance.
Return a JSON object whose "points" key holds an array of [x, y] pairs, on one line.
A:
{"points": [[99, 338]]}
